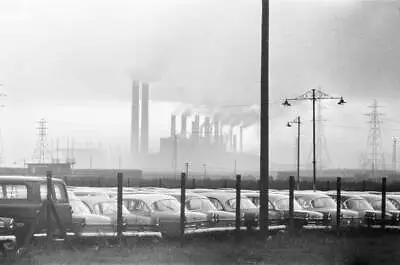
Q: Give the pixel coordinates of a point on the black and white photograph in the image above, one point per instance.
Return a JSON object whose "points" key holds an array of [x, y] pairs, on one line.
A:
{"points": [[254, 132]]}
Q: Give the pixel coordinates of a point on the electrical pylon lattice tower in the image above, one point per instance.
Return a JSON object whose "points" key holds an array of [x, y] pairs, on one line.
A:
{"points": [[322, 154], [374, 158], [41, 144]]}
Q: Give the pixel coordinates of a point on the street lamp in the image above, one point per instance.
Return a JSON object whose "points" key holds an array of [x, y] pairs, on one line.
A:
{"points": [[289, 124], [313, 95]]}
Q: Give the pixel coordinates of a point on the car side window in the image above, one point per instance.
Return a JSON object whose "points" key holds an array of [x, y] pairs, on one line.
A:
{"points": [[137, 206], [14, 192], [60, 193], [217, 204], [97, 209], [194, 204]]}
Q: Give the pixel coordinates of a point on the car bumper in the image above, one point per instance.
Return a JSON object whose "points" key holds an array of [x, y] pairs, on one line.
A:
{"points": [[222, 223]]}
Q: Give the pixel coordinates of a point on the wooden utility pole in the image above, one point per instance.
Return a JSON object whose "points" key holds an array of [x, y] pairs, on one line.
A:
{"points": [[264, 146]]}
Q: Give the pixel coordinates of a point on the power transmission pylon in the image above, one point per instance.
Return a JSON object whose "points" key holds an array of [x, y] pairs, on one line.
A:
{"points": [[322, 155], [394, 154], [41, 144], [374, 157]]}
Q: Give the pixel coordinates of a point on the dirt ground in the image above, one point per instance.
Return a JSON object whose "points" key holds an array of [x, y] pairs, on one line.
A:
{"points": [[317, 247]]}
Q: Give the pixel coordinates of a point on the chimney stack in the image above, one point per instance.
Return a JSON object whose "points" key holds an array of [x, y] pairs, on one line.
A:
{"points": [[135, 118], [173, 125], [230, 139], [144, 144], [234, 144], [241, 139], [183, 125]]}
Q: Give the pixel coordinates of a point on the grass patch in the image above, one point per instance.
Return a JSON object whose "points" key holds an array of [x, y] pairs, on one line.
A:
{"points": [[310, 247]]}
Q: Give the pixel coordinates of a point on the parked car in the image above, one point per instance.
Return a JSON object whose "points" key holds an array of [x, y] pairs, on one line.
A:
{"points": [[275, 217], [201, 204], [107, 207], [323, 203], [87, 224], [163, 212], [392, 216], [301, 217], [8, 240], [226, 201], [354, 202], [21, 198], [394, 199]]}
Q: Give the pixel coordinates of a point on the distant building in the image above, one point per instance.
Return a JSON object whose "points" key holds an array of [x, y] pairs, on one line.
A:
{"points": [[57, 169]]}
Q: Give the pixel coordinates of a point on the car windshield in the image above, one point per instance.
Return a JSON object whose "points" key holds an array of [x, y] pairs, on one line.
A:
{"points": [[111, 208], [207, 205], [396, 203], [245, 203], [377, 205], [283, 204], [168, 205], [79, 207], [358, 204], [323, 202]]}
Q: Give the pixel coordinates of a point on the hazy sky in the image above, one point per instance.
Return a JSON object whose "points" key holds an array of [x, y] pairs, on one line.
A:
{"points": [[72, 62]]}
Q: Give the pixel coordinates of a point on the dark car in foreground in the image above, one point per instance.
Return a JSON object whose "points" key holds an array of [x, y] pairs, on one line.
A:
{"points": [[323, 203], [301, 217], [8, 241], [21, 198]]}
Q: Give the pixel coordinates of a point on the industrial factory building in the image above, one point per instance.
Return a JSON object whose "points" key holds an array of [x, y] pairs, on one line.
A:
{"points": [[205, 142]]}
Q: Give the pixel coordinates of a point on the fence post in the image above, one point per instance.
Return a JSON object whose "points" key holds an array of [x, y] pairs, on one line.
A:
{"points": [[338, 202], [160, 182], [120, 181], [383, 202], [291, 203], [238, 214], [183, 203], [364, 185], [193, 183], [226, 183], [48, 209]]}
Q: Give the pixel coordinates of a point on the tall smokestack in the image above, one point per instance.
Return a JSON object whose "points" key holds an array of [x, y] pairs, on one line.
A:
{"points": [[207, 129], [196, 128], [183, 125], [241, 139], [216, 131], [230, 139], [144, 143], [234, 144], [135, 118], [173, 125]]}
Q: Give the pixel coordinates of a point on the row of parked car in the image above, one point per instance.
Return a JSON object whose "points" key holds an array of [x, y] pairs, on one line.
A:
{"points": [[92, 212]]}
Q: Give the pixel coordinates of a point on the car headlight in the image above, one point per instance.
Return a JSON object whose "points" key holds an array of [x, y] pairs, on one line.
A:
{"points": [[242, 216], [2, 224], [11, 224], [307, 216]]}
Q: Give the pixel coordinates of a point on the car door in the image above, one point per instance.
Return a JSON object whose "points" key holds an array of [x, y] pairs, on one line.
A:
{"points": [[140, 210], [61, 203]]}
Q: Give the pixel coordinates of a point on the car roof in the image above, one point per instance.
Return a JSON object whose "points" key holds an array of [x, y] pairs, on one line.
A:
{"points": [[278, 196], [29, 179], [149, 197]]}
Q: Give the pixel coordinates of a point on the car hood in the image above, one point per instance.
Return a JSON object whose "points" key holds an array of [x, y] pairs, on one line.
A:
{"points": [[332, 211], [304, 213]]}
